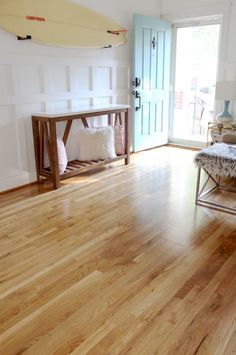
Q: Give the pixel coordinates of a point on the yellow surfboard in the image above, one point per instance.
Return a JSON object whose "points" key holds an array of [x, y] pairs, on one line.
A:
{"points": [[59, 23]]}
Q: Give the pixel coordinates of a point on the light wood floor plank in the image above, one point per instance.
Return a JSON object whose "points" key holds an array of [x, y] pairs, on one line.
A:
{"points": [[119, 261]]}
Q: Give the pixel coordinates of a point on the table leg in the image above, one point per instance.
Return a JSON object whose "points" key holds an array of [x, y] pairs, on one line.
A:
{"points": [[35, 126], [110, 119], [54, 155], [41, 146]]}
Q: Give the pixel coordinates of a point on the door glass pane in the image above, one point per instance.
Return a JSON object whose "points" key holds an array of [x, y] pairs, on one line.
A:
{"points": [[196, 67]]}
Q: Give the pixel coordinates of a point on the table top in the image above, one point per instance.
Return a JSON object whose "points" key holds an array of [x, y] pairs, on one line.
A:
{"points": [[215, 124], [78, 111]]}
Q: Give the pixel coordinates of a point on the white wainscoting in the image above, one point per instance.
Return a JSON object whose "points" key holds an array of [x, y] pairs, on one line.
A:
{"points": [[32, 84]]}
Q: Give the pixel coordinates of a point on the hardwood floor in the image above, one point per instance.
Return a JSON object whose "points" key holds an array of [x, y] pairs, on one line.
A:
{"points": [[118, 262]]}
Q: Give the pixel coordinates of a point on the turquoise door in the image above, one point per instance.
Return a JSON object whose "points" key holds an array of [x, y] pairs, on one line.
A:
{"points": [[151, 78]]}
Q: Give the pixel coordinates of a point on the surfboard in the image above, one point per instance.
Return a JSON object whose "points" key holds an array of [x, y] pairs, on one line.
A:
{"points": [[60, 23]]}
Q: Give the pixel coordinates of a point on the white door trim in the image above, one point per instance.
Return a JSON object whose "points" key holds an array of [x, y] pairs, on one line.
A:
{"points": [[175, 26], [187, 17]]}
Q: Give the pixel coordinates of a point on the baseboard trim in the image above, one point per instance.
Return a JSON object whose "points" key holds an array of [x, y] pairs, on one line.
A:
{"points": [[180, 146], [18, 188]]}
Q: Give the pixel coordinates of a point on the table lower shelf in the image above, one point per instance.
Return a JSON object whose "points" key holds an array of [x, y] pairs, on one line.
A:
{"points": [[75, 167]]}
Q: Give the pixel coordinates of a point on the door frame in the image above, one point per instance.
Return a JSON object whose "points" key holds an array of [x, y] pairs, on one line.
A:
{"points": [[193, 22], [221, 18]]}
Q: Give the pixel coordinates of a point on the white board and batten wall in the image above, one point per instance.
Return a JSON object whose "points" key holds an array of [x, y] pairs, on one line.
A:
{"points": [[35, 78]]}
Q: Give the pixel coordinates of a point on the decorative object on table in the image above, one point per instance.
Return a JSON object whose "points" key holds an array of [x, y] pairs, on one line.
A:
{"points": [[218, 130], [119, 139], [60, 23], [62, 156], [229, 138], [216, 161], [225, 90], [96, 143]]}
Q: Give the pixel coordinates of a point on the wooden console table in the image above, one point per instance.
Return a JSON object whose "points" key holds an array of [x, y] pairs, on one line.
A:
{"points": [[45, 134]]}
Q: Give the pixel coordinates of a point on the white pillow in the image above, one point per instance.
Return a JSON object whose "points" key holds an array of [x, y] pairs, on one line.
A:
{"points": [[62, 156], [119, 140], [96, 143]]}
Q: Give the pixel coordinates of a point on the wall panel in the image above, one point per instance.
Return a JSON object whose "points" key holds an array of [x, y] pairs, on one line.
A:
{"points": [[35, 84]]}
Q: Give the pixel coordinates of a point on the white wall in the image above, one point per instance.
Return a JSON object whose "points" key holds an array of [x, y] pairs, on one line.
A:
{"points": [[36, 77]]}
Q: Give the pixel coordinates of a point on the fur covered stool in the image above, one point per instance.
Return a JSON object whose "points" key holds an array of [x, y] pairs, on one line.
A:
{"points": [[217, 160]]}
